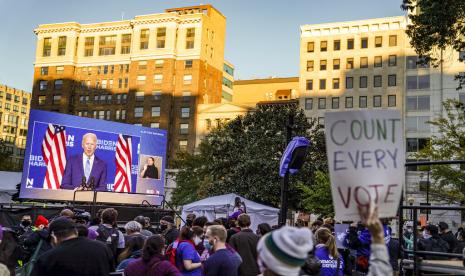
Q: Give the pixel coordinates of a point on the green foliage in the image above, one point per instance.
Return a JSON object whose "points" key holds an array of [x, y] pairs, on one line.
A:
{"points": [[436, 25], [317, 198], [243, 157], [5, 160], [448, 181]]}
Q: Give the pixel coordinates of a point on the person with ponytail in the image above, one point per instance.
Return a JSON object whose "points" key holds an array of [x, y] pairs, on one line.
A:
{"points": [[152, 262], [326, 251]]}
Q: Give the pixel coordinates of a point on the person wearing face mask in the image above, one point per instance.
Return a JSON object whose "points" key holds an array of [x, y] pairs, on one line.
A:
{"points": [[430, 241], [73, 255], [168, 231], [408, 236], [187, 259], [190, 219], [24, 227], [222, 261]]}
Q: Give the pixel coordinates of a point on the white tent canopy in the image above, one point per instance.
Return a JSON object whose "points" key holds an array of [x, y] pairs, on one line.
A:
{"points": [[223, 205]]}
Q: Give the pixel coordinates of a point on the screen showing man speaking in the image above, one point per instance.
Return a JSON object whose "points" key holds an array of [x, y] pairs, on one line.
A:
{"points": [[67, 153]]}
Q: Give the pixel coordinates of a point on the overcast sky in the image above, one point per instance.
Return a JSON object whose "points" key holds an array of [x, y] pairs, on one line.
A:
{"points": [[262, 37]]}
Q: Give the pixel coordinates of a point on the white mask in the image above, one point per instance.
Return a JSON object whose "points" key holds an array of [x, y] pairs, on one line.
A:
{"points": [[426, 235], [197, 240]]}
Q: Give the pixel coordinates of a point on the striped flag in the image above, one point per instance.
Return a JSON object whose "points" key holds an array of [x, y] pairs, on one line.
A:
{"points": [[54, 154], [123, 159]]}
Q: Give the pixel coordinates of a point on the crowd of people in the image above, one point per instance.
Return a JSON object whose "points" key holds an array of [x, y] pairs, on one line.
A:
{"points": [[73, 243]]}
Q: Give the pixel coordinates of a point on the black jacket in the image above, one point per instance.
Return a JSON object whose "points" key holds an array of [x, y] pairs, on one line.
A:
{"points": [[450, 238], [78, 256], [245, 243], [434, 244]]}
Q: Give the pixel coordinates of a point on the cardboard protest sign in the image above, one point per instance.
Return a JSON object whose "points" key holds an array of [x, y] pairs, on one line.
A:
{"points": [[366, 161]]}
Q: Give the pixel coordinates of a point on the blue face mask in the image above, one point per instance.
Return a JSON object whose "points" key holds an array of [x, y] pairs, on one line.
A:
{"points": [[207, 245]]}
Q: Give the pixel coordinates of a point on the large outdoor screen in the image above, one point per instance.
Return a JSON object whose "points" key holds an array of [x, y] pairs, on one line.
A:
{"points": [[68, 157]]}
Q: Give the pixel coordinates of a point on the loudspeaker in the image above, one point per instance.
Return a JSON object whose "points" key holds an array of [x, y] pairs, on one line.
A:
{"points": [[298, 158]]}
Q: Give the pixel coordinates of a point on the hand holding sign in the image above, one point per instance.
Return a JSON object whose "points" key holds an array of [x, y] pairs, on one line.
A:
{"points": [[366, 161]]}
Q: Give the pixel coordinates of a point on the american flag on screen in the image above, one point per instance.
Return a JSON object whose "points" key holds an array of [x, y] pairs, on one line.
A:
{"points": [[54, 154], [123, 161]]}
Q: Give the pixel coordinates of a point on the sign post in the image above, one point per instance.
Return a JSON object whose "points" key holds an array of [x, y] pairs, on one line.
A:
{"points": [[366, 161]]}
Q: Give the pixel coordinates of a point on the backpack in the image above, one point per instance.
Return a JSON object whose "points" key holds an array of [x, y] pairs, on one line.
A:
{"points": [[109, 236], [170, 252]]}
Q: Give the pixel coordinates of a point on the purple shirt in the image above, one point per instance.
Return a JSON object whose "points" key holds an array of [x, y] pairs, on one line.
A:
{"points": [[328, 263], [222, 263], [186, 251], [157, 266]]}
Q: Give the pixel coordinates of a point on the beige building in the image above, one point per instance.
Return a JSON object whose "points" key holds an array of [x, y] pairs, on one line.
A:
{"points": [[228, 81], [15, 105], [152, 70], [269, 89], [352, 65]]}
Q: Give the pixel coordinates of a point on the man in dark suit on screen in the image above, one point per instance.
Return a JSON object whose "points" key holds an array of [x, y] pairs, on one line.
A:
{"points": [[85, 171]]}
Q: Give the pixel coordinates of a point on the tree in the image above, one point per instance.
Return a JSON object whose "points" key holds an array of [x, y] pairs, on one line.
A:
{"points": [[5, 157], [317, 198], [448, 180], [243, 155], [435, 26]]}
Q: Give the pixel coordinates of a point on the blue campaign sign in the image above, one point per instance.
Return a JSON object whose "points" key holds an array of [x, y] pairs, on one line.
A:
{"points": [[65, 153]]}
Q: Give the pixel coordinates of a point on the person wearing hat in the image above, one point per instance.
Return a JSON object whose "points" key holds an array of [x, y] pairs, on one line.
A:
{"points": [[169, 232], [284, 251], [73, 255], [40, 232], [447, 235]]}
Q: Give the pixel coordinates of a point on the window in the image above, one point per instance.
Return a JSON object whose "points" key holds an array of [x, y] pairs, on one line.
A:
{"points": [[335, 103], [41, 100], [155, 111], [378, 61], [321, 103], [183, 145], [156, 95], [349, 82], [161, 36], [23, 110], [364, 43], [107, 45], [350, 63], [61, 45], [418, 103], [392, 80], [142, 65], [362, 102], [89, 46], [186, 95], [47, 48], [378, 41], [155, 125], [350, 44], [141, 80], [187, 79], [60, 70], [7, 106], [392, 60], [144, 39], [310, 65], [412, 62], [321, 121], [138, 112], [323, 46], [308, 103], [184, 129], [377, 81], [322, 84], [391, 100], [190, 38], [159, 63], [336, 83], [418, 82], [56, 99], [392, 40], [349, 102], [44, 71], [412, 82], [336, 64], [185, 112], [120, 114], [337, 45], [8, 97], [323, 64], [188, 63], [416, 144], [461, 56], [417, 123], [140, 96], [58, 84], [364, 62], [377, 101], [363, 81], [423, 82], [310, 47], [125, 44], [309, 84]]}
